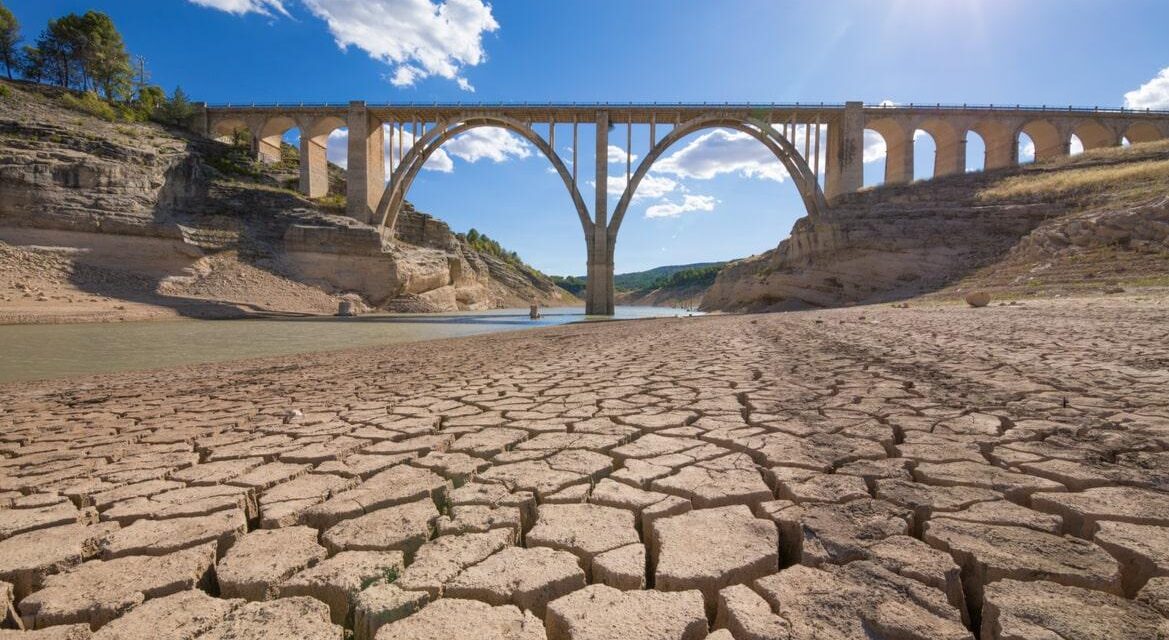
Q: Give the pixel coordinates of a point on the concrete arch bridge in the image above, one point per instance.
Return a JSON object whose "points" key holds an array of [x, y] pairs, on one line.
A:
{"points": [[820, 146]]}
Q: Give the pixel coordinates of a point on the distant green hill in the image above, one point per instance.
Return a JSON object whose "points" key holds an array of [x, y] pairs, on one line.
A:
{"points": [[673, 275], [699, 273]]}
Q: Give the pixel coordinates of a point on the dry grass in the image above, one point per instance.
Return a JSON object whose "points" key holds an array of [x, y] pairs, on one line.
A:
{"points": [[1138, 177]]}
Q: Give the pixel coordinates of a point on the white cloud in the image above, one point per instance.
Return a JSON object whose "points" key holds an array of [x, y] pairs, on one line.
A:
{"points": [[722, 151], [666, 209], [1153, 94], [419, 38], [240, 7], [489, 143], [617, 154], [651, 186], [874, 147]]}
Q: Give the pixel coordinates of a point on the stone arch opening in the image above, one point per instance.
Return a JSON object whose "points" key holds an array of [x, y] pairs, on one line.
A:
{"points": [[1140, 132], [430, 141], [1000, 147], [925, 152], [975, 151], [1094, 135], [270, 137], [949, 152], [898, 153], [313, 143], [1046, 140], [234, 131], [797, 167], [876, 159], [1075, 145]]}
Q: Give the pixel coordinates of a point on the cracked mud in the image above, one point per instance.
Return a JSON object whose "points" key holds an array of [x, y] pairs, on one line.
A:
{"points": [[999, 473]]}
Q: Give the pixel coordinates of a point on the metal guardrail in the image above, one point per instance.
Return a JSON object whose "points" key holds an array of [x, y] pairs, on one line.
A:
{"points": [[695, 105]]}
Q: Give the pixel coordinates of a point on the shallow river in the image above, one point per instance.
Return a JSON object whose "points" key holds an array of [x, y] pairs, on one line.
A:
{"points": [[34, 352]]}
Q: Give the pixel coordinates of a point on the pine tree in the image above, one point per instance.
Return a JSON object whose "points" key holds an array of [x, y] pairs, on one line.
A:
{"points": [[9, 38]]}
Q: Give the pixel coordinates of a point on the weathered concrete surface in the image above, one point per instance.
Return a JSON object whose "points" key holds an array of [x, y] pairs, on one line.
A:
{"points": [[920, 473]]}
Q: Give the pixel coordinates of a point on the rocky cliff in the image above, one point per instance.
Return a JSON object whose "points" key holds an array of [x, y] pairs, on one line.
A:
{"points": [[109, 220], [1095, 221]]}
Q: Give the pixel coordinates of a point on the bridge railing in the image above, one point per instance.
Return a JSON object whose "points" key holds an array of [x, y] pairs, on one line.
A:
{"points": [[694, 105]]}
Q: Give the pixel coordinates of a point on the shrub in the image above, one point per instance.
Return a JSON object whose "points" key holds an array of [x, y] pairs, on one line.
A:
{"points": [[5, 91], [90, 103]]}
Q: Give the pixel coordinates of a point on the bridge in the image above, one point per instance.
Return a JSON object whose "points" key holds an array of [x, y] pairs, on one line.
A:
{"points": [[821, 146]]}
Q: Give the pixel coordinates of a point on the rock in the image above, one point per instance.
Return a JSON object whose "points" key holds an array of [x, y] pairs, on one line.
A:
{"points": [[1081, 511], [1039, 610], [98, 591], [182, 616], [160, 537], [451, 618], [1155, 595], [977, 298], [527, 578], [709, 549], [859, 601], [1143, 551], [598, 612], [263, 559], [988, 553], [382, 604], [397, 485], [403, 527], [27, 559], [582, 529], [621, 568], [337, 581], [747, 615], [443, 558], [300, 618]]}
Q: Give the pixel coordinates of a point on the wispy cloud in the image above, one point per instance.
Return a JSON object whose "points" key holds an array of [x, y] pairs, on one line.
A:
{"points": [[241, 7], [689, 203]]}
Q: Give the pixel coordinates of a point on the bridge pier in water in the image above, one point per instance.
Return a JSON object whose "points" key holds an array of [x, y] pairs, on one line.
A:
{"points": [[787, 130]]}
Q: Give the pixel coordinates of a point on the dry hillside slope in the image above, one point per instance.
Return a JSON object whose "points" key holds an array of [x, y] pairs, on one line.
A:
{"points": [[1088, 223], [115, 220]]}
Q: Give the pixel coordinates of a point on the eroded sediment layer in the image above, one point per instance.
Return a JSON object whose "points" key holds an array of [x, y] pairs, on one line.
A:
{"points": [[860, 473]]}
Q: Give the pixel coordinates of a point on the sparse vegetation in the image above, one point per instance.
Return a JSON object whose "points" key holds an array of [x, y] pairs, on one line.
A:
{"points": [[388, 576], [89, 102], [483, 244], [572, 284], [1089, 181]]}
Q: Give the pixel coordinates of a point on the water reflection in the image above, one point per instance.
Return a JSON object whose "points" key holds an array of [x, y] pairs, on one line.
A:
{"points": [[32, 352]]}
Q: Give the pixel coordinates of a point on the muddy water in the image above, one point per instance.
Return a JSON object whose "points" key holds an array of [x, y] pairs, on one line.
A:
{"points": [[34, 352]]}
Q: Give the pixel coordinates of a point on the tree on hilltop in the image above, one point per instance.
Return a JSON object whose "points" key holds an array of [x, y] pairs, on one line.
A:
{"points": [[9, 38]]}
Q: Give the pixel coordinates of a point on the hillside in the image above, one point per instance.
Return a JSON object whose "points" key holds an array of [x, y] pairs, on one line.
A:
{"points": [[104, 220], [656, 277], [1094, 222]]}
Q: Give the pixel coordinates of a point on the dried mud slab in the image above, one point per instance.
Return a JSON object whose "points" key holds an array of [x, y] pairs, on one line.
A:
{"points": [[1041, 610], [466, 619], [263, 559], [183, 616], [598, 612]]}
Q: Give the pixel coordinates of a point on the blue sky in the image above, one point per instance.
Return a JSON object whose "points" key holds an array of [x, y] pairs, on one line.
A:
{"points": [[723, 198]]}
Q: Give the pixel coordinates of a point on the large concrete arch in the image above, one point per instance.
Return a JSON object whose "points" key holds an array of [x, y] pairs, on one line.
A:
{"points": [[949, 145], [269, 137], [390, 204], [784, 150]]}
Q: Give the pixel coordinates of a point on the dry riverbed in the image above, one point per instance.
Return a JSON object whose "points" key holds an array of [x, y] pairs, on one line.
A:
{"points": [[922, 473]]}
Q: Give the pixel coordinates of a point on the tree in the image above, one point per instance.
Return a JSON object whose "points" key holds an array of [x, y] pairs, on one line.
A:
{"points": [[9, 37], [178, 109], [104, 58], [151, 98], [32, 64]]}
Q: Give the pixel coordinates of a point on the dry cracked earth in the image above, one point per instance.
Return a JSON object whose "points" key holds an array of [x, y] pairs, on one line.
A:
{"points": [[904, 474]]}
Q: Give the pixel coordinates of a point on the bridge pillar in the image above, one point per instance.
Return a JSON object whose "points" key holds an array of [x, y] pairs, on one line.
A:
{"points": [[844, 172], [950, 156], [366, 175], [899, 158], [599, 287], [314, 165]]}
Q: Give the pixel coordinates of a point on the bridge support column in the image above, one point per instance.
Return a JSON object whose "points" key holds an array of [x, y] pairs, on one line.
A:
{"points": [[268, 149], [950, 157], [599, 288], [314, 166], [844, 172], [1002, 151], [899, 158], [366, 175]]}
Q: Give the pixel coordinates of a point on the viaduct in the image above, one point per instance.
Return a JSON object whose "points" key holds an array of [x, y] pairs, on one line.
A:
{"points": [[809, 140]]}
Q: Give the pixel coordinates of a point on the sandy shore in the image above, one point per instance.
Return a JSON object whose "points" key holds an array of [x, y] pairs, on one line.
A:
{"points": [[871, 472]]}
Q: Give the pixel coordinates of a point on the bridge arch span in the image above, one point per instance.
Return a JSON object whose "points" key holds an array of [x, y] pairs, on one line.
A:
{"points": [[431, 141], [1139, 132], [801, 174]]}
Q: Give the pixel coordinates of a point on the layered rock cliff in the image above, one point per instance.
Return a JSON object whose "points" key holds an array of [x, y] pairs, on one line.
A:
{"points": [[1093, 221], [139, 215]]}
